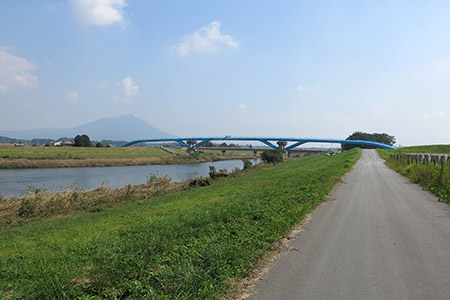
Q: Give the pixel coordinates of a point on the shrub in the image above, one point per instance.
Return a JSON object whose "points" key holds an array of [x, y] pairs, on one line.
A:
{"points": [[247, 163], [212, 172], [153, 178], [272, 156], [27, 208], [200, 182]]}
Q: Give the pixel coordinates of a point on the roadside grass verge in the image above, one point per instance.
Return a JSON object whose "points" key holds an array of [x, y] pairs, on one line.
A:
{"points": [[184, 245], [429, 176]]}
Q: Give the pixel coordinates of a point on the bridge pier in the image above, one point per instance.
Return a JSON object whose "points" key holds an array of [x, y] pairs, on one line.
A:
{"points": [[281, 145], [191, 147]]}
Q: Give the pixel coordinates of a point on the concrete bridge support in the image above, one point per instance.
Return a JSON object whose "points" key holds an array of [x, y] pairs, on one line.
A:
{"points": [[281, 145], [191, 145]]}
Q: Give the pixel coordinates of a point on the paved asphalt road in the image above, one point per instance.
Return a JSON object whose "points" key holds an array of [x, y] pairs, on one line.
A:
{"points": [[382, 238]]}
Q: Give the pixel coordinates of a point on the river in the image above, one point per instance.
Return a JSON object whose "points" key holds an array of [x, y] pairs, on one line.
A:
{"points": [[16, 182]]}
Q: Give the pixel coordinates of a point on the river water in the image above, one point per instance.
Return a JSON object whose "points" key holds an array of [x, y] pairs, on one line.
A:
{"points": [[16, 182]]}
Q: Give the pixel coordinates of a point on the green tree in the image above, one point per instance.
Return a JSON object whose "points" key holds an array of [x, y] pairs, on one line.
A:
{"points": [[383, 138], [208, 144], [272, 156], [82, 141]]}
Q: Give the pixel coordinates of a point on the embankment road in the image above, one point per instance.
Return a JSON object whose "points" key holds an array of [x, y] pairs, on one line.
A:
{"points": [[381, 237]]}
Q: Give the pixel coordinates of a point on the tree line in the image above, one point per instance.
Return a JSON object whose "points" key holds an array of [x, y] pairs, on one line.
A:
{"points": [[383, 138]]}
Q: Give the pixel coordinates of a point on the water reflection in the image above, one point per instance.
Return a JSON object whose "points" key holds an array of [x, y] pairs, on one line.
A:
{"points": [[15, 183]]}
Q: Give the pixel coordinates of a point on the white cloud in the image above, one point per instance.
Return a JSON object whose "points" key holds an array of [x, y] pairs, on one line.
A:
{"points": [[15, 72], [100, 12], [207, 39], [130, 88], [73, 97], [302, 88]]}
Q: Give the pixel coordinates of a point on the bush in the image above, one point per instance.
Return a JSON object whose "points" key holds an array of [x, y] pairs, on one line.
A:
{"points": [[272, 156], [212, 172], [200, 182], [27, 208], [247, 163]]}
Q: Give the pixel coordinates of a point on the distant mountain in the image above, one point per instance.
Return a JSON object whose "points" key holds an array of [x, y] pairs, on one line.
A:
{"points": [[124, 128]]}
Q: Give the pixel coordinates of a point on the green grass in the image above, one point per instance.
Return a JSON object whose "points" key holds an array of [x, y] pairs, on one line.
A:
{"points": [[185, 245], [78, 152], [426, 149], [429, 176]]}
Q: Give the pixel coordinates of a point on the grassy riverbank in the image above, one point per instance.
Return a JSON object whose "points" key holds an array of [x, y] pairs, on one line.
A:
{"points": [[60, 157], [193, 244], [37, 205], [429, 176]]}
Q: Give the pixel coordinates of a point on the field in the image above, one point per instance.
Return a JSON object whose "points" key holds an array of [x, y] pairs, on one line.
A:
{"points": [[59, 157], [194, 244], [78, 152], [429, 176]]}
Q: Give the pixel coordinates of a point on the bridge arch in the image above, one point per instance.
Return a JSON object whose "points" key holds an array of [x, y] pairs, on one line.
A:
{"points": [[192, 143]]}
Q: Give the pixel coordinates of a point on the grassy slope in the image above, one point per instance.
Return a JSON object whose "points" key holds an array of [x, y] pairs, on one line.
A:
{"points": [[184, 245], [426, 149], [428, 176]]}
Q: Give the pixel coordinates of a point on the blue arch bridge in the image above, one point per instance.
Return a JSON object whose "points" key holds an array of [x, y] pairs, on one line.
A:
{"points": [[196, 143]]}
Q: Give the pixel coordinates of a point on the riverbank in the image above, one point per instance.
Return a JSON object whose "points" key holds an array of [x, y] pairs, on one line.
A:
{"points": [[70, 157], [197, 243], [39, 205]]}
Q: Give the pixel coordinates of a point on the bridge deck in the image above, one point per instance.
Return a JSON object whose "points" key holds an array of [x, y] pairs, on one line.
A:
{"points": [[196, 142]]}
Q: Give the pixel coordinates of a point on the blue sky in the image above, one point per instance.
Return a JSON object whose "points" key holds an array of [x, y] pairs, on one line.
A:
{"points": [[243, 68]]}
